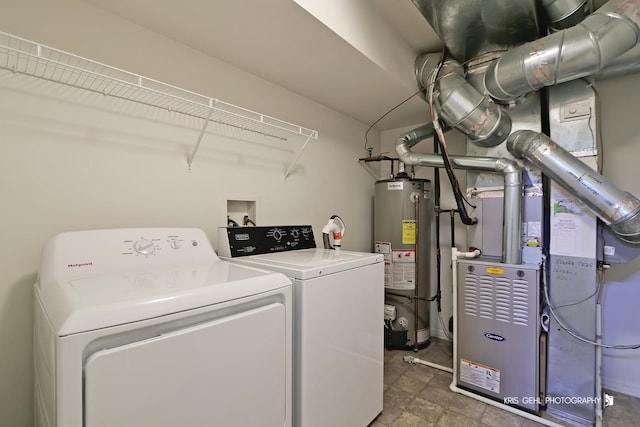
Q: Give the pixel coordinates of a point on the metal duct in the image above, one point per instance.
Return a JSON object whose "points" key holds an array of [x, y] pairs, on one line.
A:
{"points": [[472, 27], [568, 54], [513, 189], [627, 63], [616, 208], [461, 106], [565, 13]]}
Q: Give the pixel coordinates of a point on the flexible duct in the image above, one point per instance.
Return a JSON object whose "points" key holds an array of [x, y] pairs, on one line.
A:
{"points": [[616, 208], [513, 190], [461, 106], [566, 55]]}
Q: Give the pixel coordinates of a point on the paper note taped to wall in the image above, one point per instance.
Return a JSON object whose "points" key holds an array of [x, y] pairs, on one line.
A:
{"points": [[573, 227]]}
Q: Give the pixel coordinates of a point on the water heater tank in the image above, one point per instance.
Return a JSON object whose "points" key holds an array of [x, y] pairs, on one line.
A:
{"points": [[402, 232]]}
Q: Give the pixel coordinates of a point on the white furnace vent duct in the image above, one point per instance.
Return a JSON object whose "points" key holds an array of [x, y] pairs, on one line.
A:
{"points": [[616, 208]]}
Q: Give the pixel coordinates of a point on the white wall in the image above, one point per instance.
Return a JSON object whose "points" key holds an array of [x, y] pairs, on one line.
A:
{"points": [[621, 294], [69, 161]]}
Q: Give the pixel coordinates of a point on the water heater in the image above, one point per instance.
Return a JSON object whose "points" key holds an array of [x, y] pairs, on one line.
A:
{"points": [[402, 232]]}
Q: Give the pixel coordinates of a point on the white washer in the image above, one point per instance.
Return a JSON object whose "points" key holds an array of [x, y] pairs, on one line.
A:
{"points": [[338, 322], [148, 328]]}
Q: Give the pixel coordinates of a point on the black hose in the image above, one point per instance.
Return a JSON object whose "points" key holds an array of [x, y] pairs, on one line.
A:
{"points": [[453, 229], [455, 186], [464, 217], [436, 191]]}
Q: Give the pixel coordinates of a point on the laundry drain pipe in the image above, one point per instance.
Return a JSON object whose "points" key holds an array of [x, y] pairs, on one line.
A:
{"points": [[616, 208], [513, 190]]}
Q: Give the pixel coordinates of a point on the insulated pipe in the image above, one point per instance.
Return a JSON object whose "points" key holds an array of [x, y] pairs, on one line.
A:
{"points": [[461, 106], [569, 54], [616, 208], [513, 189]]}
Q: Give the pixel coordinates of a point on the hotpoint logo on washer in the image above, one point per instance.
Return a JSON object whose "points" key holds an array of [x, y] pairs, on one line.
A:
{"points": [[494, 337], [80, 264]]}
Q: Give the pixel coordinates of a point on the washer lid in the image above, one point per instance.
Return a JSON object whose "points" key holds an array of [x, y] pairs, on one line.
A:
{"points": [[308, 263], [101, 301]]}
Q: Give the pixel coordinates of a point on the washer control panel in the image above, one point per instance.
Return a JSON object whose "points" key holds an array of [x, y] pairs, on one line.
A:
{"points": [[242, 241]]}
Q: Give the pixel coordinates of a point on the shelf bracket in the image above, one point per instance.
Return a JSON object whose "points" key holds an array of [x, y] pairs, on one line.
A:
{"points": [[195, 148], [369, 169], [286, 174]]}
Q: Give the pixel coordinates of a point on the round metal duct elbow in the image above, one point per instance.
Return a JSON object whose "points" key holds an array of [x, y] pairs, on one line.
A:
{"points": [[461, 106], [618, 209]]}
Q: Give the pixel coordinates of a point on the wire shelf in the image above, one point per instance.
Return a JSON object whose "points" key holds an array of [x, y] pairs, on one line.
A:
{"points": [[26, 57]]}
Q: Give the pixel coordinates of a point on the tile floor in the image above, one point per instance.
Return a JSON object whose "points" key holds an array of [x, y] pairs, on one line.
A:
{"points": [[419, 396]]}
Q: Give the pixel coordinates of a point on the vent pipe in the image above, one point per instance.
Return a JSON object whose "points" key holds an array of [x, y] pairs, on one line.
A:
{"points": [[569, 54], [513, 189], [627, 63], [460, 105], [566, 13], [616, 208]]}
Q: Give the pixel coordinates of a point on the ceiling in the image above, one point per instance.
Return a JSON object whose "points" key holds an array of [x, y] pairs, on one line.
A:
{"points": [[353, 56]]}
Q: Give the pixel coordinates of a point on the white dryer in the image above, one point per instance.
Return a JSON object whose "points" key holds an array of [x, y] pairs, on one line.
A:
{"points": [[148, 328], [338, 320]]}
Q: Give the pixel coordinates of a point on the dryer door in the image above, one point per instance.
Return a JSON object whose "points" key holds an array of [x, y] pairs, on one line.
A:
{"points": [[227, 372]]}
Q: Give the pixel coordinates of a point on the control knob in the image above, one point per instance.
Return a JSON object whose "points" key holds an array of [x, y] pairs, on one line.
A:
{"points": [[277, 234], [144, 247]]}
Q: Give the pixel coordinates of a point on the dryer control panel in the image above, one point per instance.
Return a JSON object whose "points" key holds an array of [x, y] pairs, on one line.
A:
{"points": [[242, 241], [74, 254]]}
